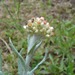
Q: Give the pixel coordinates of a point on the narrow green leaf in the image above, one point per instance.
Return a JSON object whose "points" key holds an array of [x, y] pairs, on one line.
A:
{"points": [[20, 66], [0, 60], [51, 58], [18, 54], [62, 64]]}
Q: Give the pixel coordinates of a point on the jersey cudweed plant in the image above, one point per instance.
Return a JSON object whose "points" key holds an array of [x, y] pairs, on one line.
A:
{"points": [[38, 30]]}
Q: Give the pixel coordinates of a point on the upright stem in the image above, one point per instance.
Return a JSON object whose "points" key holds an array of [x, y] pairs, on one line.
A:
{"points": [[34, 41], [27, 63], [28, 60]]}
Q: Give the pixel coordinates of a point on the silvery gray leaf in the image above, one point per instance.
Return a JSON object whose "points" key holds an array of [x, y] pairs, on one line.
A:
{"points": [[33, 41], [1, 73]]}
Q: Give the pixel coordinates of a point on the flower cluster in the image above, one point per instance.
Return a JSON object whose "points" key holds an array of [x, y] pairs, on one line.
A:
{"points": [[39, 26]]}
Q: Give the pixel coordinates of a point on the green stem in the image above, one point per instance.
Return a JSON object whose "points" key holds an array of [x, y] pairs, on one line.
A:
{"points": [[32, 71]]}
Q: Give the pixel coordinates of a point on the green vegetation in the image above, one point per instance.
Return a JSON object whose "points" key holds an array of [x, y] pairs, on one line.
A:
{"points": [[61, 57]]}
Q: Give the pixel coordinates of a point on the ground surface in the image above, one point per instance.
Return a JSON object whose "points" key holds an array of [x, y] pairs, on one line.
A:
{"points": [[60, 13]]}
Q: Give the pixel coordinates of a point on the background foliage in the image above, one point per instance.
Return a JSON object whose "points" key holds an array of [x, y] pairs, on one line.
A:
{"points": [[61, 15]]}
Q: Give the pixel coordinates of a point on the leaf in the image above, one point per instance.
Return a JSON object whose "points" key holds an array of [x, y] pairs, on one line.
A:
{"points": [[18, 54], [31, 50], [43, 72], [35, 47], [51, 58], [20, 67], [33, 41], [1, 73], [0, 60], [62, 64]]}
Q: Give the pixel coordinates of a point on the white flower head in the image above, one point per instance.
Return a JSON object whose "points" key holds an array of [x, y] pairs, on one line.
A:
{"points": [[47, 25], [36, 31], [38, 19], [38, 25], [51, 28], [42, 23], [24, 26], [29, 21], [34, 28], [41, 30], [48, 31], [47, 35], [42, 18]]}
